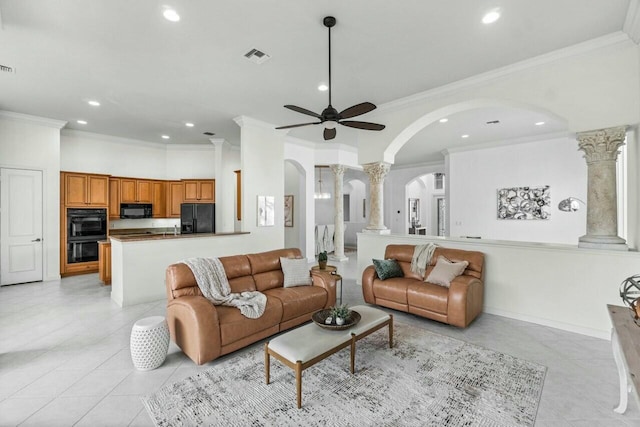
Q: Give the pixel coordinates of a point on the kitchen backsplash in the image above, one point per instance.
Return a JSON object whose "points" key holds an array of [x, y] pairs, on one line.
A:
{"points": [[144, 223]]}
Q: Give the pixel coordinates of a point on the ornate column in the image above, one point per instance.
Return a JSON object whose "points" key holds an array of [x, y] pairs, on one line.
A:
{"points": [[376, 172], [601, 153], [338, 213]]}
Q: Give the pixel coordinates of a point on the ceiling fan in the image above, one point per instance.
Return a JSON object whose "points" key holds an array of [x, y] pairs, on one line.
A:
{"points": [[330, 116]]}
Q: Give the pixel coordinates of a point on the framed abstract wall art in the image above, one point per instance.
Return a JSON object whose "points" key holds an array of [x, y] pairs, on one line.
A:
{"points": [[524, 203], [288, 210]]}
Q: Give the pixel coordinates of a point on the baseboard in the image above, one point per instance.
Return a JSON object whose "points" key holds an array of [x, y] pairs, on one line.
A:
{"points": [[596, 333]]}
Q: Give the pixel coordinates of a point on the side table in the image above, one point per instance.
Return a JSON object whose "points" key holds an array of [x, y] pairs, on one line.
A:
{"points": [[332, 270], [149, 343]]}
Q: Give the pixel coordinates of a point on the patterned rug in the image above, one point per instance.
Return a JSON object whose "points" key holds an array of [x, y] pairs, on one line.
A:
{"points": [[425, 380]]}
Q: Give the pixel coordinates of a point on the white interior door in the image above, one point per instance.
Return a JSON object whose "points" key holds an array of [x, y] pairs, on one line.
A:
{"points": [[20, 226]]}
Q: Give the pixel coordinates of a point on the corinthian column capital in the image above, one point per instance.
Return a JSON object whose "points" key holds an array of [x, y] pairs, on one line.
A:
{"points": [[602, 144], [376, 171], [338, 170]]}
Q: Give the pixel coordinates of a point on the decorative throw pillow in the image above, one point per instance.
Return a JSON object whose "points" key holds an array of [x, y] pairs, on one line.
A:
{"points": [[296, 272], [445, 271], [387, 268]]}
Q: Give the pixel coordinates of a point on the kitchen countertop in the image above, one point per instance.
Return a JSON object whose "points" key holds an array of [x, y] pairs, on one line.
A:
{"points": [[169, 235]]}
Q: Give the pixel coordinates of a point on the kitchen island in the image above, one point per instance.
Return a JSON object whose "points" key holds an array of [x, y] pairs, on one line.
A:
{"points": [[139, 261]]}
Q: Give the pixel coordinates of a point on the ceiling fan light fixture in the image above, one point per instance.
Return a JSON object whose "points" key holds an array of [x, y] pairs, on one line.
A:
{"points": [[330, 124]]}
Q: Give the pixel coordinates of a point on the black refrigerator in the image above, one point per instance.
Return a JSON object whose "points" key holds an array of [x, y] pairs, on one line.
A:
{"points": [[197, 218]]}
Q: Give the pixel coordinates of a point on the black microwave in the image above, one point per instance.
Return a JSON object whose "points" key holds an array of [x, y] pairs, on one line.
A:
{"points": [[135, 210]]}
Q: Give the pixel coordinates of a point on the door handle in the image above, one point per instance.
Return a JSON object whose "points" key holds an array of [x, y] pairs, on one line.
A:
{"points": [[37, 240]]}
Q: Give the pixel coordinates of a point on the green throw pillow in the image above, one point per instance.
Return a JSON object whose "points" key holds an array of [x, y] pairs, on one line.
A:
{"points": [[387, 268]]}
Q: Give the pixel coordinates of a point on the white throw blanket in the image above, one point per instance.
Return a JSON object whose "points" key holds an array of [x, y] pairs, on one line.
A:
{"points": [[213, 283], [421, 257]]}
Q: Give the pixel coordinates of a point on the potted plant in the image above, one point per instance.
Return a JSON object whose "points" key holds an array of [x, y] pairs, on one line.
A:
{"points": [[341, 313], [322, 260]]}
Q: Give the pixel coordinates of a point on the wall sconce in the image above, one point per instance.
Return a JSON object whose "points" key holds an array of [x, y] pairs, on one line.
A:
{"points": [[570, 204]]}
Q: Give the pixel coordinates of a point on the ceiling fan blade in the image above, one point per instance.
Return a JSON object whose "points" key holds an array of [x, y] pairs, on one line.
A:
{"points": [[362, 125], [356, 110], [298, 125], [303, 111], [329, 134]]}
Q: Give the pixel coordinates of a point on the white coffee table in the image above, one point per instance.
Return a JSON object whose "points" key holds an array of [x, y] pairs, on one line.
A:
{"points": [[307, 345]]}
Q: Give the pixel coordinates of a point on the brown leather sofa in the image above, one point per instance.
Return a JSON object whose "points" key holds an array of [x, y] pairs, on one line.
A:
{"points": [[204, 331], [457, 305]]}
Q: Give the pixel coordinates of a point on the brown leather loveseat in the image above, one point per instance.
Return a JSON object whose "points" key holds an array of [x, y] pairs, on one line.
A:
{"points": [[204, 331], [457, 305]]}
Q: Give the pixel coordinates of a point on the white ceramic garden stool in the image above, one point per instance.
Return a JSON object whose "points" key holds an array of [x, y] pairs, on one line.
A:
{"points": [[149, 342]]}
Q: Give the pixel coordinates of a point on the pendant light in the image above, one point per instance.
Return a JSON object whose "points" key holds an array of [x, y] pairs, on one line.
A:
{"points": [[320, 194]]}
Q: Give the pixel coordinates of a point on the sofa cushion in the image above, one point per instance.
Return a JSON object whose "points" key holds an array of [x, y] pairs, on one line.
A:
{"points": [[295, 271], [266, 269], [387, 268], [445, 271], [393, 289], [428, 296], [234, 326], [238, 271], [299, 300]]}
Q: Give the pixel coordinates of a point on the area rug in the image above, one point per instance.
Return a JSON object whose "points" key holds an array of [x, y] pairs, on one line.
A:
{"points": [[425, 380]]}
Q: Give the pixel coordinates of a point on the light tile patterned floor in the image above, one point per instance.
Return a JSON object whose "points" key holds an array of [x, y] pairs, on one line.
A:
{"points": [[64, 358]]}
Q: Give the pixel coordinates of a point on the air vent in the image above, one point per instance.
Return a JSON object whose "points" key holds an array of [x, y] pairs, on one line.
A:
{"points": [[493, 122], [256, 56], [209, 133], [7, 69]]}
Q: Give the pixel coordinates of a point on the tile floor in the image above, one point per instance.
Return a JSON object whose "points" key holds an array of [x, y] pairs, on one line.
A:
{"points": [[64, 358]]}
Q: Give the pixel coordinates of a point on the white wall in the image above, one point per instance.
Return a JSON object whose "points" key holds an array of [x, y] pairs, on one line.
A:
{"points": [[357, 191], [293, 180], [262, 155], [325, 208], [95, 153], [28, 142], [475, 176]]}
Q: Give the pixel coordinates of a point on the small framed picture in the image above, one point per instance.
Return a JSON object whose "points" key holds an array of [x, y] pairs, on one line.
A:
{"points": [[288, 210]]}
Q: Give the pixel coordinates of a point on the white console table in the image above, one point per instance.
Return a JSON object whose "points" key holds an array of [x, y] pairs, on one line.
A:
{"points": [[625, 340]]}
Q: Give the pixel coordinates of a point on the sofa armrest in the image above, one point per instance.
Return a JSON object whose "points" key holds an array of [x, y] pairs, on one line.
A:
{"points": [[466, 295], [328, 282], [368, 276], [195, 328]]}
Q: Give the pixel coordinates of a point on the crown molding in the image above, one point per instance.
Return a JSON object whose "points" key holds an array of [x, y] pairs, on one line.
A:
{"points": [[510, 142], [632, 22], [243, 121], [110, 138], [219, 143], [609, 40], [35, 120], [190, 147]]}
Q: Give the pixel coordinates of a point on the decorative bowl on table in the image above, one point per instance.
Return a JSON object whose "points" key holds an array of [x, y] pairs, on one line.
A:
{"points": [[320, 318]]}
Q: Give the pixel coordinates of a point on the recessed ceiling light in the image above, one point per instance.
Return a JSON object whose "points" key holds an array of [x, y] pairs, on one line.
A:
{"points": [[465, 136], [539, 123], [171, 15], [165, 137], [82, 122], [444, 120], [323, 87], [491, 16], [93, 103], [189, 125]]}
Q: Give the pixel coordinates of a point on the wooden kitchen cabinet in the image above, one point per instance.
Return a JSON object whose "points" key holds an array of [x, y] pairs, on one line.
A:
{"points": [[175, 190], [81, 189], [104, 262], [114, 198], [159, 199], [200, 191], [135, 190]]}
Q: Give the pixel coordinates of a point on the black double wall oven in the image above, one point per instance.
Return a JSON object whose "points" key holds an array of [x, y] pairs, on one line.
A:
{"points": [[85, 227]]}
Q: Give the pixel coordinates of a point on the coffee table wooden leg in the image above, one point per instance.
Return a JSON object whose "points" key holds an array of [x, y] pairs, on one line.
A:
{"points": [[267, 362], [391, 331], [353, 353], [299, 383]]}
